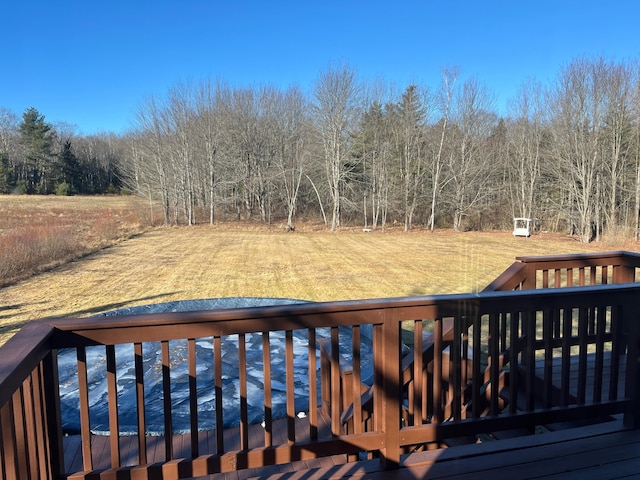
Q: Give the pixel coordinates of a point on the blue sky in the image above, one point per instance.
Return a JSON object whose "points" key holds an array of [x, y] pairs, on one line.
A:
{"points": [[92, 63]]}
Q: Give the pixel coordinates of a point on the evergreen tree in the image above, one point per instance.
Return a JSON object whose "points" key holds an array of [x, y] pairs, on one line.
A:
{"points": [[70, 171], [35, 137], [371, 147], [408, 121]]}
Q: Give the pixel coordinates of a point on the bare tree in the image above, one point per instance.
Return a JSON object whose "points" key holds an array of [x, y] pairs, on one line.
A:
{"points": [[444, 101], [635, 142], [470, 167], [8, 147], [250, 144], [617, 131], [526, 140], [577, 103], [336, 94], [208, 127], [179, 120], [152, 134], [292, 146]]}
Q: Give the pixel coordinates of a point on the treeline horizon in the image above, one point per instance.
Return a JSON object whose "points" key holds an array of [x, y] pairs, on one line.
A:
{"points": [[352, 152]]}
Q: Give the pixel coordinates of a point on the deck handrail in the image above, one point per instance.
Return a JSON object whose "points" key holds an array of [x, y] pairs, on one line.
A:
{"points": [[31, 436], [603, 317], [510, 279], [529, 272]]}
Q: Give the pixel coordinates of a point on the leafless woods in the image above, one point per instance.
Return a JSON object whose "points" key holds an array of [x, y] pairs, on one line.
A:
{"points": [[353, 152]]}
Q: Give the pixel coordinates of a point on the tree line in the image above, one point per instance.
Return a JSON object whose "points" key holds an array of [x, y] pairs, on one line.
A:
{"points": [[351, 152], [39, 158]]}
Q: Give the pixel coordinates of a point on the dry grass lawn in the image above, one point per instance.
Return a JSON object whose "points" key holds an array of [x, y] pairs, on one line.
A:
{"points": [[227, 260]]}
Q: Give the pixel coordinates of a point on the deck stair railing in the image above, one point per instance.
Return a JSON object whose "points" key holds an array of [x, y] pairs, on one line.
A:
{"points": [[516, 356]]}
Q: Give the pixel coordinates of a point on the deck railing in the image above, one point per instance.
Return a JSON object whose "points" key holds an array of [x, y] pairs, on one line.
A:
{"points": [[492, 361], [555, 271]]}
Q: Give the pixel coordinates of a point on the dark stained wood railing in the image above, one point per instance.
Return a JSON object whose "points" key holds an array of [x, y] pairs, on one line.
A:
{"points": [[555, 271], [516, 356]]}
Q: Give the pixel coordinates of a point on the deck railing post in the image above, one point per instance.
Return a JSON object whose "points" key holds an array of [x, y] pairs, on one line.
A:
{"points": [[389, 365], [529, 282], [623, 273]]}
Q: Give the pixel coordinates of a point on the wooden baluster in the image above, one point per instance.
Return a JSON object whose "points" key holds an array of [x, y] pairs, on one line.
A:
{"points": [[83, 392], [418, 367], [193, 397], [494, 362], [20, 433], [601, 312], [291, 408], [39, 417], [9, 447], [437, 372], [583, 320], [217, 372], [166, 397], [355, 397], [51, 401], [567, 327], [30, 421], [112, 389], [139, 368], [378, 360], [455, 366], [514, 367], [313, 385], [477, 374], [242, 379], [268, 400], [549, 319], [336, 400], [616, 350], [529, 321]]}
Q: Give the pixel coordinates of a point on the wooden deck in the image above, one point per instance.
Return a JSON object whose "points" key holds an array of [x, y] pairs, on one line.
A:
{"points": [[600, 449], [604, 451], [207, 443]]}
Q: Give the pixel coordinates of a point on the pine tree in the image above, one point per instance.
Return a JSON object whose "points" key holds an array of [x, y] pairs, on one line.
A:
{"points": [[409, 116], [70, 171], [35, 137]]}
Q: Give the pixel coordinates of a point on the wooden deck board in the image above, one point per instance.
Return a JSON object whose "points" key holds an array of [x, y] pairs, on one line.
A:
{"points": [[207, 444], [590, 381], [598, 452]]}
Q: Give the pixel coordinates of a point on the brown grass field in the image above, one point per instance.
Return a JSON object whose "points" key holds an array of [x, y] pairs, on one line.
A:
{"points": [[223, 260]]}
